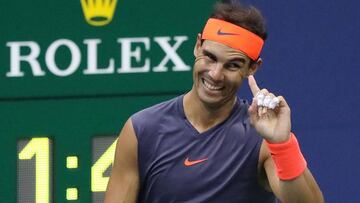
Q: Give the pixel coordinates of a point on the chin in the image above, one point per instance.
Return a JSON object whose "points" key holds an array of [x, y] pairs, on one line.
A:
{"points": [[215, 100]]}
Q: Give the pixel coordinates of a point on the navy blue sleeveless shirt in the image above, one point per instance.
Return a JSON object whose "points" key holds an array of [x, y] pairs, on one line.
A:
{"points": [[179, 164]]}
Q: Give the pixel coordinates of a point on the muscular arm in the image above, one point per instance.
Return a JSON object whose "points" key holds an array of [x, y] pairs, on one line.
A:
{"points": [[123, 185], [302, 189], [271, 117]]}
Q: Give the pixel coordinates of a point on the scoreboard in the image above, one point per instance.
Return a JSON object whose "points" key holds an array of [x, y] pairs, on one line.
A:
{"points": [[71, 74], [65, 148]]}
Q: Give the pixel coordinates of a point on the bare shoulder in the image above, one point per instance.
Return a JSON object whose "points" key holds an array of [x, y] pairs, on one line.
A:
{"points": [[127, 138], [123, 184], [126, 148]]}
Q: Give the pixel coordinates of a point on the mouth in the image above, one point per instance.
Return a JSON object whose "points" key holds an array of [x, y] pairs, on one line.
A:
{"points": [[212, 87]]}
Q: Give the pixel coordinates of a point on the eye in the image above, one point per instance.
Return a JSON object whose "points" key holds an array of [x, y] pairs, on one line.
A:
{"points": [[210, 57], [233, 66]]}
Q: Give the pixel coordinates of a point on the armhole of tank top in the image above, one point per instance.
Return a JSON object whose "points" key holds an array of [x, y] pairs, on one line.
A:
{"points": [[135, 126], [139, 130]]}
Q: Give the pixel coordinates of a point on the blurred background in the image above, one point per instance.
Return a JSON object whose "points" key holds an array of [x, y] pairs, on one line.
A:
{"points": [[72, 72]]}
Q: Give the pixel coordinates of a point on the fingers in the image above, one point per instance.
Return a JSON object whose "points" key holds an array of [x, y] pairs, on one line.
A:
{"points": [[266, 99], [253, 86], [260, 96], [254, 112], [282, 102], [274, 103], [283, 106], [253, 109], [265, 104]]}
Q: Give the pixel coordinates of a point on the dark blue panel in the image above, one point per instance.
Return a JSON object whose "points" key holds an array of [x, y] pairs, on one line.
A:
{"points": [[312, 57]]}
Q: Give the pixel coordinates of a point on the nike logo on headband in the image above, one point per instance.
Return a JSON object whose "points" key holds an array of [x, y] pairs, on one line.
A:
{"points": [[219, 32]]}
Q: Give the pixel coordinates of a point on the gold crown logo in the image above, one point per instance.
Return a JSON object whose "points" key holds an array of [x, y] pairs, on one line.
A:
{"points": [[98, 12]]}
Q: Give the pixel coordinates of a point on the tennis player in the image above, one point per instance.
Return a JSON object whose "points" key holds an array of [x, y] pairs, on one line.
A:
{"points": [[208, 145]]}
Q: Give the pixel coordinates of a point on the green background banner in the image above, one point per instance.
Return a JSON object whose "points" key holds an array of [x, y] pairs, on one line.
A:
{"points": [[75, 84], [45, 48]]}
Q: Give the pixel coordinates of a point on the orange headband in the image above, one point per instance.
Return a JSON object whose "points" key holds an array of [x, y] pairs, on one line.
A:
{"points": [[233, 36]]}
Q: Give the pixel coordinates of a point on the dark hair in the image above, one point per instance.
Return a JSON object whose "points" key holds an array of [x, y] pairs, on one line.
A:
{"points": [[247, 17]]}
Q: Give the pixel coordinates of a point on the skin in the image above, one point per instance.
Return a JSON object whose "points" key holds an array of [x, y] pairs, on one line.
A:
{"points": [[219, 71]]}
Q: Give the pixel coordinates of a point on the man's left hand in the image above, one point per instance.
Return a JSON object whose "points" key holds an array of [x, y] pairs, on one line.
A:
{"points": [[269, 114]]}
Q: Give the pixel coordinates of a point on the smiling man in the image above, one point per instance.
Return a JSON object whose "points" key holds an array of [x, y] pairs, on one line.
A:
{"points": [[208, 145]]}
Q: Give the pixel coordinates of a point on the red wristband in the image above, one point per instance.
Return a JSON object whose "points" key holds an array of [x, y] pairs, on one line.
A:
{"points": [[289, 161]]}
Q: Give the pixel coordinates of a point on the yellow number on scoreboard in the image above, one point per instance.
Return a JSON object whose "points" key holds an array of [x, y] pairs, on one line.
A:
{"points": [[39, 147], [98, 181]]}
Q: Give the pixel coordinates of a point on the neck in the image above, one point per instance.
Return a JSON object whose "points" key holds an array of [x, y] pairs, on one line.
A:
{"points": [[203, 116]]}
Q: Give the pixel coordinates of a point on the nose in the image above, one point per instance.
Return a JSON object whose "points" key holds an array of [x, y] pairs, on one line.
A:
{"points": [[216, 72]]}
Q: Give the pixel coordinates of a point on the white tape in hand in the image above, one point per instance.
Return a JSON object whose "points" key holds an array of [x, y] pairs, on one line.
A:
{"points": [[267, 101], [260, 99], [274, 103]]}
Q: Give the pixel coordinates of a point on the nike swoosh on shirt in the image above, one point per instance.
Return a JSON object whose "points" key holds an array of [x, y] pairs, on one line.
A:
{"points": [[187, 162], [219, 32]]}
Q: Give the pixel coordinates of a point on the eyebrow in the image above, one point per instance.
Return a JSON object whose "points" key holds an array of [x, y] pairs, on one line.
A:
{"points": [[206, 52], [236, 59], [239, 59]]}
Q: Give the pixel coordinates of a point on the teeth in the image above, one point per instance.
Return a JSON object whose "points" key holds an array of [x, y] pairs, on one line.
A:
{"points": [[210, 86]]}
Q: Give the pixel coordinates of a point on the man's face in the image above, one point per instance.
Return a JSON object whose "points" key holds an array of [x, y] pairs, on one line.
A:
{"points": [[219, 72]]}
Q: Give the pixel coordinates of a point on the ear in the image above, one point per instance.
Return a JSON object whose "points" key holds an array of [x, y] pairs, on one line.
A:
{"points": [[197, 45], [254, 67]]}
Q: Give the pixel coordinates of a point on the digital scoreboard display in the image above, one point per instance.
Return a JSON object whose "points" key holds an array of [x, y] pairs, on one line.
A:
{"points": [[35, 170], [64, 147]]}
